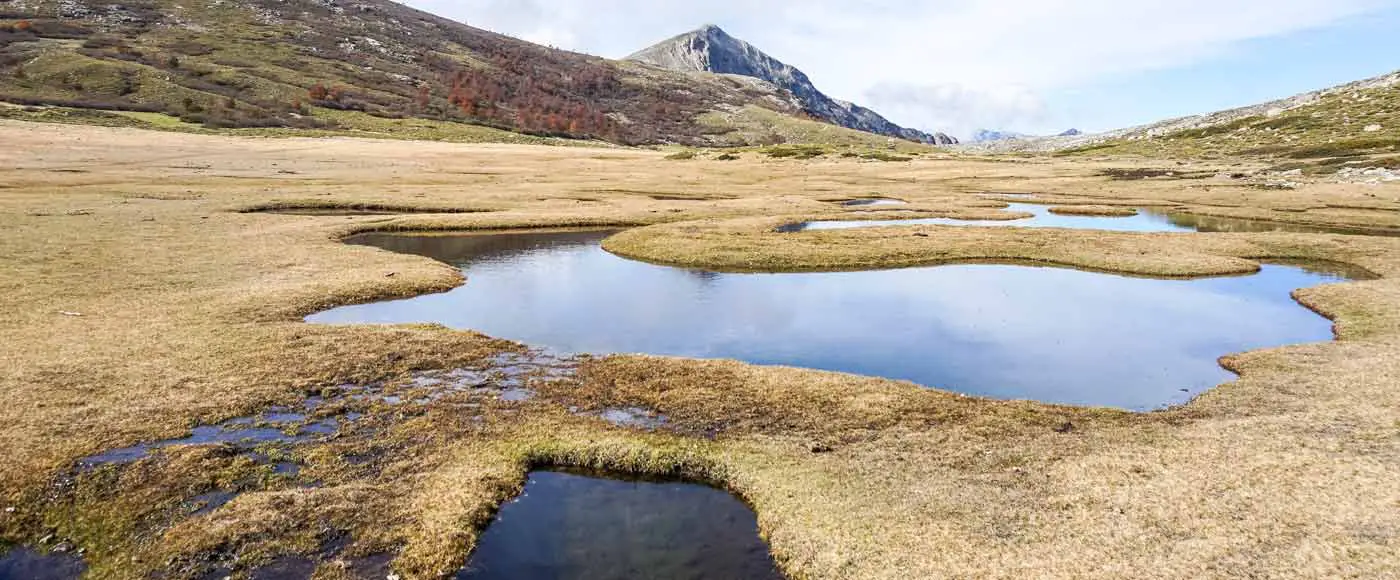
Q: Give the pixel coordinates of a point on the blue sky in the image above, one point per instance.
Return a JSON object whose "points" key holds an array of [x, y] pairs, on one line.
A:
{"points": [[1033, 66], [1251, 72]]}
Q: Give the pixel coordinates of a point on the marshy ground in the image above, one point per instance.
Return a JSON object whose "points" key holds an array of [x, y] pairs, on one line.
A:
{"points": [[142, 298]]}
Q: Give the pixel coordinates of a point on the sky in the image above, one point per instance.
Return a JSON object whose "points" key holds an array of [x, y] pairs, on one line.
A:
{"points": [[1029, 66]]}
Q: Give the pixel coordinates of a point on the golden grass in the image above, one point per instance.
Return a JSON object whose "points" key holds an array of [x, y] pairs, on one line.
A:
{"points": [[1094, 210], [190, 312]]}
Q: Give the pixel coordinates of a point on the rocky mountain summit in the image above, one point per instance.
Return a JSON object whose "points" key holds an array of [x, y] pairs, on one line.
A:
{"points": [[711, 49]]}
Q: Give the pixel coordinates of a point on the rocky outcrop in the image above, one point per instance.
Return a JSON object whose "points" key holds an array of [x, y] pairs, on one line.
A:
{"points": [[988, 136], [711, 49]]}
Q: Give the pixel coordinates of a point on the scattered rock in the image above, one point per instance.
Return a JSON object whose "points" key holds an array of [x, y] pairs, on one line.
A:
{"points": [[1369, 175], [67, 313], [921, 235], [1372, 128], [391, 274], [1065, 427], [819, 447]]}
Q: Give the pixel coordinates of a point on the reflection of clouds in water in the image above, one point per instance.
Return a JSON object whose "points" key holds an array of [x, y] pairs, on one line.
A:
{"points": [[1148, 219], [1007, 331]]}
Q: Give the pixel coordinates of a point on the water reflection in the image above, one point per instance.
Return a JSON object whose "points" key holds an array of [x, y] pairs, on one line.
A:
{"points": [[1056, 335], [25, 564], [570, 526], [873, 201], [1147, 220], [1202, 223]]}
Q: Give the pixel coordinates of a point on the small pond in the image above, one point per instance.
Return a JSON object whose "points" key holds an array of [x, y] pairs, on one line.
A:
{"points": [[25, 564], [1012, 332], [1147, 220], [574, 526]]}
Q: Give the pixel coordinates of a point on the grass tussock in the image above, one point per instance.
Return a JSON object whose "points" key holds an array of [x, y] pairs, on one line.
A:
{"points": [[795, 151]]}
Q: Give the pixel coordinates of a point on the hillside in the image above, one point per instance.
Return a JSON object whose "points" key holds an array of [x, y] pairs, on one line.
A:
{"points": [[369, 66], [711, 49], [1320, 131]]}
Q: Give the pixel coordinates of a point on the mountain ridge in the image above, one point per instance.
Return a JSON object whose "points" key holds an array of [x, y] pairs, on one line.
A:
{"points": [[991, 135], [365, 66], [711, 49], [1322, 127]]}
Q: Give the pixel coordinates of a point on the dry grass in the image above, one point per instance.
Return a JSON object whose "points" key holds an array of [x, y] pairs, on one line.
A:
{"points": [[190, 313], [1094, 210]]}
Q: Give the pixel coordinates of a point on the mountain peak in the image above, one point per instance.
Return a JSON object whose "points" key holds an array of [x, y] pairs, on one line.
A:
{"points": [[711, 49]]}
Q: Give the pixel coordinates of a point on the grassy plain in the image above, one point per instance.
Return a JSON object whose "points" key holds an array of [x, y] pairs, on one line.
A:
{"points": [[140, 299]]}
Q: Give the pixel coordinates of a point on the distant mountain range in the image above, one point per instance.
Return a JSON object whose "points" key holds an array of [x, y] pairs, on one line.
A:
{"points": [[379, 68], [711, 49], [988, 136]]}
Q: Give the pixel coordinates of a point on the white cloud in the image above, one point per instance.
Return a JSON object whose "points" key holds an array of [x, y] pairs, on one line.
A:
{"points": [[958, 109], [930, 60]]}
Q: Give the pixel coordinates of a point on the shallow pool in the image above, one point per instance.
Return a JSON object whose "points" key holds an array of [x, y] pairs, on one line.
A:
{"points": [[1012, 332], [572, 526], [25, 564], [1147, 220], [873, 201]]}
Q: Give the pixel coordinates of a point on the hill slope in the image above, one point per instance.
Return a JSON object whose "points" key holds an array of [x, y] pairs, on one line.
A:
{"points": [[368, 63], [1357, 123], [711, 49]]}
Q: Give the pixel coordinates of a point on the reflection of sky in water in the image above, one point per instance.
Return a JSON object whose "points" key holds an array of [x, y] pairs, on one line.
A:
{"points": [[1050, 334], [1147, 220], [566, 526], [1143, 222]]}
